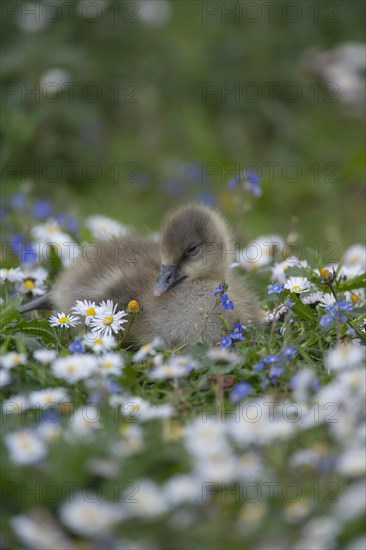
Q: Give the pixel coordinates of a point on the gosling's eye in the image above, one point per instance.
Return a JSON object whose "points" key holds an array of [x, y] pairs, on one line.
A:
{"points": [[193, 250]]}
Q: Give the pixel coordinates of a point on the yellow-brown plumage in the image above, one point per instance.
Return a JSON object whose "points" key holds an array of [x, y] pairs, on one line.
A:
{"points": [[173, 280]]}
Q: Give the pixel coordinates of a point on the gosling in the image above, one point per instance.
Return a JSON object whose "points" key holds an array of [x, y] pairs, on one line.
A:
{"points": [[172, 280]]}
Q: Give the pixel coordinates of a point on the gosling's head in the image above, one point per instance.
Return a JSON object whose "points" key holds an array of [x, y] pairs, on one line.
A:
{"points": [[193, 244]]}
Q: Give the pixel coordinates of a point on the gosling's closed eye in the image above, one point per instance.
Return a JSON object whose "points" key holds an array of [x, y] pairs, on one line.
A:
{"points": [[193, 250]]}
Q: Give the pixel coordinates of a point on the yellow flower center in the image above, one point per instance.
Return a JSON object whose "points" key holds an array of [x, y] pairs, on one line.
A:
{"points": [[296, 288], [63, 319], [16, 359], [354, 298], [324, 272], [107, 365], [108, 319], [29, 284], [98, 341], [70, 368], [133, 305], [90, 311]]}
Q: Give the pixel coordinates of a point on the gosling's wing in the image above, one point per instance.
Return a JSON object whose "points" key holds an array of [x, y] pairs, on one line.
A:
{"points": [[120, 272]]}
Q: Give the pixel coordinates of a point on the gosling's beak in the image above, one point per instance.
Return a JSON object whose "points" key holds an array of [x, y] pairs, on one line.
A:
{"points": [[169, 276]]}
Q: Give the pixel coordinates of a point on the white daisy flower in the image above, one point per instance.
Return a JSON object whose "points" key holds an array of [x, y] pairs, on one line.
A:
{"points": [[351, 271], [279, 269], [223, 355], [13, 275], [5, 378], [147, 350], [13, 359], [150, 500], [33, 281], [104, 228], [62, 320], [15, 404], [39, 531], [352, 462], [136, 407], [25, 447], [344, 356], [90, 516], [132, 441], [107, 319], [50, 233], [356, 256], [176, 367], [86, 309], [356, 296], [49, 431], [110, 363], [49, 396], [327, 300], [260, 252], [312, 298], [84, 421], [298, 284], [44, 356], [74, 367], [182, 488], [99, 342]]}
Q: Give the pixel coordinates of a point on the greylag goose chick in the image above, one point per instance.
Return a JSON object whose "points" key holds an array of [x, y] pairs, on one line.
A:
{"points": [[172, 280]]}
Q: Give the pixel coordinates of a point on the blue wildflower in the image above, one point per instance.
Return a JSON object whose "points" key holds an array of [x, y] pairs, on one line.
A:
{"points": [[112, 386], [259, 365], [26, 251], [233, 182], [275, 371], [325, 320], [252, 183], [275, 289], [239, 391], [42, 209], [207, 197], [226, 302], [237, 332], [289, 303], [288, 353], [271, 358], [77, 346], [218, 290], [336, 312], [225, 342], [18, 201], [264, 382], [50, 415]]}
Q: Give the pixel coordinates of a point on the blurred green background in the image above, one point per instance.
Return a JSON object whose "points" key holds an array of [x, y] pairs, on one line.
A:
{"points": [[106, 102]]}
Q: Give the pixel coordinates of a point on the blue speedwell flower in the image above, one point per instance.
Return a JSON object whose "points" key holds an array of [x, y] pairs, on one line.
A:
{"points": [[275, 289], [252, 183], [42, 208], [288, 353], [26, 251], [226, 302], [77, 346], [225, 342], [336, 312], [237, 332], [220, 289], [239, 391]]}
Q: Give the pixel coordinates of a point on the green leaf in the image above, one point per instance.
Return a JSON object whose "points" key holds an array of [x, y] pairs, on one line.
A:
{"points": [[301, 271], [14, 301], [355, 282], [39, 328], [8, 315], [302, 310]]}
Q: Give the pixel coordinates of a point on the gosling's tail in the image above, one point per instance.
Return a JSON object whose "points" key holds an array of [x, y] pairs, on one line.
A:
{"points": [[43, 302]]}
